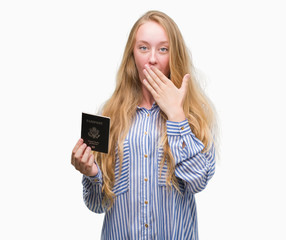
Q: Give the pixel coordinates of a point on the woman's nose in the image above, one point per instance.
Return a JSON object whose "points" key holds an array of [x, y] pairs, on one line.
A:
{"points": [[152, 57]]}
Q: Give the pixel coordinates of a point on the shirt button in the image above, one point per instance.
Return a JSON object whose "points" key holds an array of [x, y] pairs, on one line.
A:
{"points": [[146, 202], [96, 180], [145, 179], [148, 115], [182, 128], [146, 225], [145, 155], [145, 133]]}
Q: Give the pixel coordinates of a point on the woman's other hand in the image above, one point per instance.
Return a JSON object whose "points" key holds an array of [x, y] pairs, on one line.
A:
{"points": [[82, 159], [169, 98]]}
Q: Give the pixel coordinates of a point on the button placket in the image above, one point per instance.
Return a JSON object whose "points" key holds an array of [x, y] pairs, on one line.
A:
{"points": [[146, 171]]}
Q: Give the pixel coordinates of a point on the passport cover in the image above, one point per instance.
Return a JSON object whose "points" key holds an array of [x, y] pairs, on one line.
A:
{"points": [[95, 132]]}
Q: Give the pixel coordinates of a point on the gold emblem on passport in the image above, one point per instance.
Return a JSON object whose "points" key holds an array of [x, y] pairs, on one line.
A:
{"points": [[93, 133]]}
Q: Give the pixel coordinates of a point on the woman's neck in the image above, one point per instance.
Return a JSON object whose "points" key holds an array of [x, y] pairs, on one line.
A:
{"points": [[147, 99]]}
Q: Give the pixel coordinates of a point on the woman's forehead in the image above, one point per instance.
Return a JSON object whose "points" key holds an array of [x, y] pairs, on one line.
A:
{"points": [[150, 31]]}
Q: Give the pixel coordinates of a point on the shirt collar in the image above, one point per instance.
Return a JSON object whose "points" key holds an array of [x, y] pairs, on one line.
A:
{"points": [[153, 108]]}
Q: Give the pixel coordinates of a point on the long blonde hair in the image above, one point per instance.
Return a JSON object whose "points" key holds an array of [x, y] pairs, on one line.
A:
{"points": [[122, 105]]}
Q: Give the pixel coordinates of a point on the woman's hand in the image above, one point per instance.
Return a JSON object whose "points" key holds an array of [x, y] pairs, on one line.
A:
{"points": [[83, 159], [169, 98]]}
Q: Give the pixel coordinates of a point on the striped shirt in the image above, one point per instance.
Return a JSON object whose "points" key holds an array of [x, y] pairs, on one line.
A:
{"points": [[144, 208]]}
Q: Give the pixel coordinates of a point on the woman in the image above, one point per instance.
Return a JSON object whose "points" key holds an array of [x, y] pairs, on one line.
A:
{"points": [[161, 148]]}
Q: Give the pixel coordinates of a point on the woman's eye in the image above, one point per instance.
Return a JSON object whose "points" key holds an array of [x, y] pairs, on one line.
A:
{"points": [[163, 49], [144, 48]]}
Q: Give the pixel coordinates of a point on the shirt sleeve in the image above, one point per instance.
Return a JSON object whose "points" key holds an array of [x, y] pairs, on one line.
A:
{"points": [[92, 192], [193, 166]]}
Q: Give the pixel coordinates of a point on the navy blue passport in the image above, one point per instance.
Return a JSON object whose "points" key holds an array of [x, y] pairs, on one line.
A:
{"points": [[95, 132]]}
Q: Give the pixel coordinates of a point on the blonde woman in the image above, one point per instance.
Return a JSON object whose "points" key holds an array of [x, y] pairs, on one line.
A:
{"points": [[161, 148]]}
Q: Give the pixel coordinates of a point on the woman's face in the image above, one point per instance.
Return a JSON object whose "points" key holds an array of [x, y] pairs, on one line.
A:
{"points": [[151, 48]]}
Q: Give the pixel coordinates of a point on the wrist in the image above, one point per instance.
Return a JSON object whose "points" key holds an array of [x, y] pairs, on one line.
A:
{"points": [[178, 116]]}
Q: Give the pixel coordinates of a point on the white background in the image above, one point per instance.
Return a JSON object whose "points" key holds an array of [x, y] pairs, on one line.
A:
{"points": [[59, 58]]}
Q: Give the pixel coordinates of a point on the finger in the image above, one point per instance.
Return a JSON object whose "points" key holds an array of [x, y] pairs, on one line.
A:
{"points": [[78, 144], [91, 160], [151, 81], [84, 160], [160, 75], [185, 83], [150, 88], [85, 156], [78, 155], [154, 77], [92, 168]]}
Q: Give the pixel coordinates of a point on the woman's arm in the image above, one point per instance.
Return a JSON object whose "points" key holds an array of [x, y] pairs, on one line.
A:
{"points": [[83, 160], [92, 192], [193, 166]]}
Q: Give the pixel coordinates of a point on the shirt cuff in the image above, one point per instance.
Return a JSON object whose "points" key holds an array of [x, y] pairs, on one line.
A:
{"points": [[97, 179], [178, 128]]}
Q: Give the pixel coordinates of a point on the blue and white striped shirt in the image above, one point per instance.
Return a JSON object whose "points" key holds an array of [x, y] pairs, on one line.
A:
{"points": [[144, 208]]}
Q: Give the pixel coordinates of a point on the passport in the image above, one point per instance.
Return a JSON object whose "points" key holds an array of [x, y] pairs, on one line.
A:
{"points": [[95, 132]]}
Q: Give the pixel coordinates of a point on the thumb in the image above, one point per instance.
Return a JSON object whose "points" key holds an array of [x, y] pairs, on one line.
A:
{"points": [[185, 83]]}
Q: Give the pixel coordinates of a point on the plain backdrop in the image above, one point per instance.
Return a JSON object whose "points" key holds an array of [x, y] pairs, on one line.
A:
{"points": [[59, 58]]}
